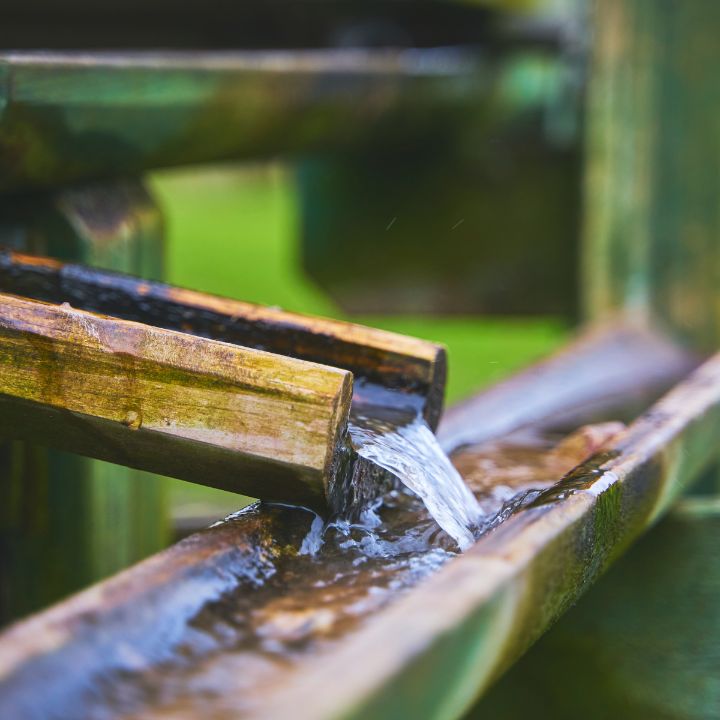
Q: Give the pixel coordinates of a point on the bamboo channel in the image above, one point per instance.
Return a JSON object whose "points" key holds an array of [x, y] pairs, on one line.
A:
{"points": [[243, 619]]}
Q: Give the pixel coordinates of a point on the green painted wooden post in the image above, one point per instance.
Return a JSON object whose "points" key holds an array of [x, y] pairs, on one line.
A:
{"points": [[653, 179], [642, 645], [66, 521]]}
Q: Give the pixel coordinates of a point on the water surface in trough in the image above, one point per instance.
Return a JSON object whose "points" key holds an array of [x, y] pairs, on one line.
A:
{"points": [[413, 455], [313, 582], [289, 585]]}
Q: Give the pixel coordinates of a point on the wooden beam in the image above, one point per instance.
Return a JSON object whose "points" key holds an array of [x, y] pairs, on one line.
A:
{"points": [[251, 24], [393, 361], [231, 417]]}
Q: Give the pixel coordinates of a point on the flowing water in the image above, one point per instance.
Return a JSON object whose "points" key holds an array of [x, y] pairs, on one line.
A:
{"points": [[410, 451], [389, 444]]}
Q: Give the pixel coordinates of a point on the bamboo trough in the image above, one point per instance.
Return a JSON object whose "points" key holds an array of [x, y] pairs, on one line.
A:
{"points": [[234, 621]]}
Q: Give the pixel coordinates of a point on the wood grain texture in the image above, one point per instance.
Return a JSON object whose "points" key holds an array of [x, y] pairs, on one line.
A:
{"points": [[375, 356], [231, 417]]}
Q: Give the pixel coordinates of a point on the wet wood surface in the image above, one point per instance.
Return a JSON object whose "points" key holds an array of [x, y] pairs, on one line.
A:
{"points": [[642, 645], [240, 620], [499, 597]]}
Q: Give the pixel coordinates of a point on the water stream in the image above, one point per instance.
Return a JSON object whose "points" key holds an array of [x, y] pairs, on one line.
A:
{"points": [[410, 451], [390, 445]]}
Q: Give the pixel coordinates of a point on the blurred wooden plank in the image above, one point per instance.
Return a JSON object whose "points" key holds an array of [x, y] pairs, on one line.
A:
{"points": [[377, 357], [611, 366], [238, 419], [69, 116]]}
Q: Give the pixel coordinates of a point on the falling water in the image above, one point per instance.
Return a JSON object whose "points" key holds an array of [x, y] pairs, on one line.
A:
{"points": [[410, 451]]}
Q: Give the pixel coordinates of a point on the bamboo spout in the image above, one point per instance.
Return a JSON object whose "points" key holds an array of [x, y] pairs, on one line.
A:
{"points": [[239, 419], [382, 358], [229, 415]]}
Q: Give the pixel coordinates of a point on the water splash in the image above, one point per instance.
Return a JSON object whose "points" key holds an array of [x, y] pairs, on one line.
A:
{"points": [[411, 452]]}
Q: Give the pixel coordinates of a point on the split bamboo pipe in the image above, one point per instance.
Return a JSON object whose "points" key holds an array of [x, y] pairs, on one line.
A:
{"points": [[247, 408]]}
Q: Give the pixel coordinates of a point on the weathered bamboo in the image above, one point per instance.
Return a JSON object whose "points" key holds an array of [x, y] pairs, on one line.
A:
{"points": [[234, 418], [382, 358], [408, 659], [71, 116]]}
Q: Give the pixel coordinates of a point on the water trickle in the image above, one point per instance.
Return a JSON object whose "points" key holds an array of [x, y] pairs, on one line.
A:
{"points": [[410, 451]]}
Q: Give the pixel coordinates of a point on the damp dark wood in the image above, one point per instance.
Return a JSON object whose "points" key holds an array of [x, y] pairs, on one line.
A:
{"points": [[253, 414], [239, 419], [376, 357]]}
